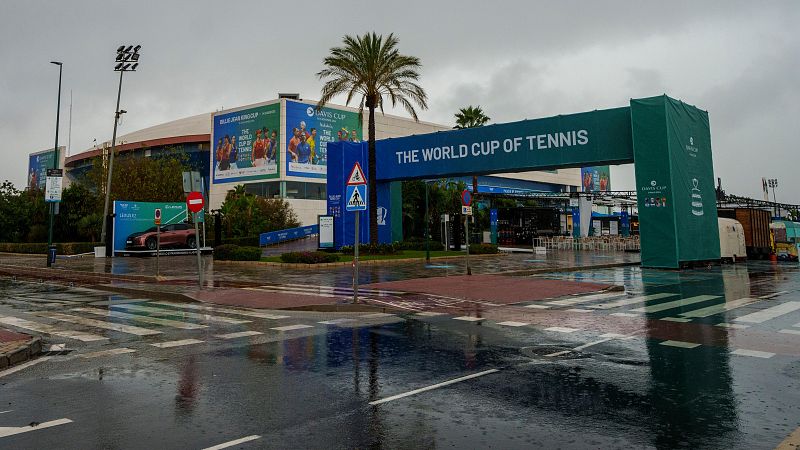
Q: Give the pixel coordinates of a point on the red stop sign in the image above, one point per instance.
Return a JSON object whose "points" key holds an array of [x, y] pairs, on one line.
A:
{"points": [[195, 201]]}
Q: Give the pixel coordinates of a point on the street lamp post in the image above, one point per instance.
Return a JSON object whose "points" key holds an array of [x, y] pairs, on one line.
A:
{"points": [[55, 160], [127, 61], [773, 183]]}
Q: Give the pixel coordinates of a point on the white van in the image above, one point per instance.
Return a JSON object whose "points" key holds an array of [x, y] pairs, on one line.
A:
{"points": [[731, 240]]}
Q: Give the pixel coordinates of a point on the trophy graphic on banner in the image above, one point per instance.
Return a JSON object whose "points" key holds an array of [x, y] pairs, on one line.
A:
{"points": [[697, 199]]}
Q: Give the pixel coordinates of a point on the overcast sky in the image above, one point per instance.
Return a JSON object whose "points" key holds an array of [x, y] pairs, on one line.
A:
{"points": [[740, 61]]}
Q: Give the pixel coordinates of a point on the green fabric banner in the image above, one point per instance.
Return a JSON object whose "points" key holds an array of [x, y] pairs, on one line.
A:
{"points": [[675, 182]]}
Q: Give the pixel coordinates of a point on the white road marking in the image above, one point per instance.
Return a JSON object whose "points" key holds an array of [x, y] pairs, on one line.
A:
{"points": [[375, 316], [680, 344], [112, 352], [613, 335], [430, 314], [469, 318], [624, 315], [216, 309], [769, 313], [180, 343], [675, 304], [735, 326], [579, 310], [7, 411], [432, 387], [787, 331], [590, 344], [676, 319], [22, 366], [586, 298], [291, 327], [554, 354], [234, 442], [753, 353], [238, 335], [722, 307], [127, 329], [336, 321], [536, 306], [11, 431], [58, 347], [49, 329], [561, 329], [174, 312], [144, 319], [511, 323], [774, 294]]}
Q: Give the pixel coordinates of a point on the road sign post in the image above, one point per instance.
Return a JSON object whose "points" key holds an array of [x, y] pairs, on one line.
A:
{"points": [[356, 194], [157, 220], [195, 203], [466, 211]]}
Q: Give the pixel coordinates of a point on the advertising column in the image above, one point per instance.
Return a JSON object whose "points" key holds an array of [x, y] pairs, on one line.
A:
{"points": [[674, 182]]}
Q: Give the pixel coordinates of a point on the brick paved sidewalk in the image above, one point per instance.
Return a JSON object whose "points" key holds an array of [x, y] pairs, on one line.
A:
{"points": [[17, 347]]}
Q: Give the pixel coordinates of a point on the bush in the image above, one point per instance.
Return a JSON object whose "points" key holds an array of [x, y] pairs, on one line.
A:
{"points": [[252, 241], [372, 249], [483, 249], [40, 248], [230, 252], [419, 244], [309, 257]]}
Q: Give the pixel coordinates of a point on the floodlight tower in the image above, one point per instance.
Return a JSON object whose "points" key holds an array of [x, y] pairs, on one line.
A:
{"points": [[127, 61]]}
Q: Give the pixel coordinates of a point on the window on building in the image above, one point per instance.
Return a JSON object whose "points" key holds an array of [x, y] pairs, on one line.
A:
{"points": [[270, 189], [306, 191]]}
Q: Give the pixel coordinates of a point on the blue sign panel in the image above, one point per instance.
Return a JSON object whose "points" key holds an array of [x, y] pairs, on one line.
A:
{"points": [[356, 198], [274, 237]]}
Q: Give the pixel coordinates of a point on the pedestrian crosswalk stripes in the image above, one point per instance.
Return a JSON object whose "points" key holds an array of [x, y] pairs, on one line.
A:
{"points": [[631, 301], [722, 307], [50, 329], [143, 319], [769, 313], [174, 312], [238, 334], [675, 304], [128, 329], [179, 343], [586, 298], [292, 327], [217, 309], [112, 352]]}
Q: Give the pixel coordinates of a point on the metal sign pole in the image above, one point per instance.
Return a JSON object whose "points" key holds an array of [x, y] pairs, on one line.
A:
{"points": [[158, 250], [355, 261], [199, 261], [466, 230]]}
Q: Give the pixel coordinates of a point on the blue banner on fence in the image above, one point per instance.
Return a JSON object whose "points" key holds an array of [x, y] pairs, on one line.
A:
{"points": [[274, 237]]}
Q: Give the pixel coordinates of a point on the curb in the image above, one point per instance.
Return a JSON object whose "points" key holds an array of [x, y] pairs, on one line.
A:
{"points": [[21, 354], [349, 263], [523, 272]]}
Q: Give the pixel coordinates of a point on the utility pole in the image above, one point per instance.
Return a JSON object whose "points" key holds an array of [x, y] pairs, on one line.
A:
{"points": [[55, 160]]}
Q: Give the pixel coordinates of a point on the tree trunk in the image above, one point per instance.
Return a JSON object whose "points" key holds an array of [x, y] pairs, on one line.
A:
{"points": [[373, 191]]}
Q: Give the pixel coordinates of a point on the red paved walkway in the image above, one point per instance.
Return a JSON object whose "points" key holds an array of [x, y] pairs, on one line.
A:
{"points": [[491, 288]]}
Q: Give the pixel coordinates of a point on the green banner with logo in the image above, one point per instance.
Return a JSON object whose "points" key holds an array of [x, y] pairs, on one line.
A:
{"points": [[674, 182]]}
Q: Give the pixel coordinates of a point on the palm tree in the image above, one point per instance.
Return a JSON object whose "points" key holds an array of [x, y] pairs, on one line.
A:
{"points": [[470, 117], [370, 68]]}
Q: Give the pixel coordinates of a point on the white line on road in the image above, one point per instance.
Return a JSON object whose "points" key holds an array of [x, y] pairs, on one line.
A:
{"points": [[675, 304], [375, 315], [7, 411], [511, 323], [469, 318], [336, 321], [536, 306], [430, 314], [144, 319], [174, 312], [23, 366], [624, 315], [769, 313], [631, 301], [676, 319], [735, 326], [127, 329], [680, 344], [590, 344], [586, 298], [432, 387], [237, 312], [180, 343], [722, 307], [238, 335], [291, 327], [561, 329], [753, 353], [234, 442], [112, 352], [10, 431], [51, 330], [774, 294]]}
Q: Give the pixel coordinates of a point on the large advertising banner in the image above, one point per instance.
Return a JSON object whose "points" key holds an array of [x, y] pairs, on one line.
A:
{"points": [[596, 179], [38, 163], [132, 219], [308, 133], [245, 144]]}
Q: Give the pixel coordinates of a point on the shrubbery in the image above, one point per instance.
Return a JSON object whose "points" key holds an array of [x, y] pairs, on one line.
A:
{"points": [[231, 252], [372, 249], [419, 244], [482, 249], [309, 257], [64, 248]]}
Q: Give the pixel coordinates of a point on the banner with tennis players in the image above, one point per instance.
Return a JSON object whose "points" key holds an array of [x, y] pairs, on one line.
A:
{"points": [[245, 143]]}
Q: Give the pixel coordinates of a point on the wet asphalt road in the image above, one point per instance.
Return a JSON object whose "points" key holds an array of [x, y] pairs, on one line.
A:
{"points": [[311, 387]]}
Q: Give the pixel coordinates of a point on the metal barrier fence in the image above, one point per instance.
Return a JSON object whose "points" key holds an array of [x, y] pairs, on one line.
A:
{"points": [[603, 243]]}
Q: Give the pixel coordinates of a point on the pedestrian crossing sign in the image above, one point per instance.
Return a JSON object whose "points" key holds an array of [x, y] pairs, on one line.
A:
{"points": [[356, 198]]}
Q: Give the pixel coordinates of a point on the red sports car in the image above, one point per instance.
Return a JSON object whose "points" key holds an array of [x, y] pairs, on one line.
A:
{"points": [[175, 235]]}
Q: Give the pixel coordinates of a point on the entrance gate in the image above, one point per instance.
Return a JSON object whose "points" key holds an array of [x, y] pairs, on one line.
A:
{"points": [[668, 141]]}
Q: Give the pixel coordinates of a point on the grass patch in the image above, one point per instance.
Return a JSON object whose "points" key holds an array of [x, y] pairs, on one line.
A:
{"points": [[405, 254]]}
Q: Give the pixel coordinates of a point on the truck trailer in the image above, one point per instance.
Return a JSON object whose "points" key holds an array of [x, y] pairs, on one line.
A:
{"points": [[755, 223]]}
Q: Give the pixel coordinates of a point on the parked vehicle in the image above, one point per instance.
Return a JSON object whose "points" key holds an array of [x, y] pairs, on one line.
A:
{"points": [[174, 235], [755, 223], [732, 246], [786, 239]]}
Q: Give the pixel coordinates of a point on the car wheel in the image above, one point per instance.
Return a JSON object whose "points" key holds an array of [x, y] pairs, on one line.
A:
{"points": [[151, 243], [191, 242]]}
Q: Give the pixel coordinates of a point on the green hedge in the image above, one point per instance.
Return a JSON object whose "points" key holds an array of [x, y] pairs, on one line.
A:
{"points": [[482, 249], [309, 257], [230, 252], [419, 244], [372, 249], [40, 248]]}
